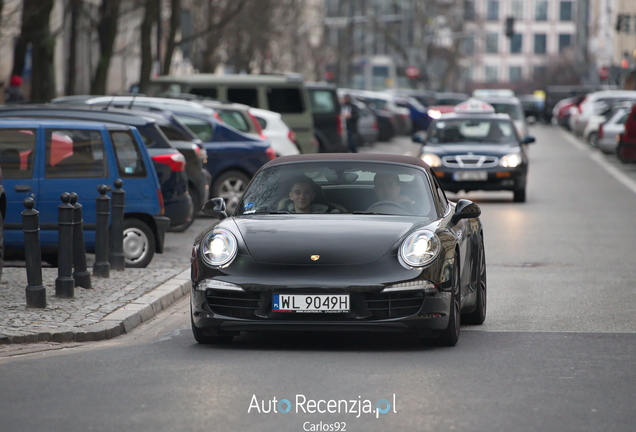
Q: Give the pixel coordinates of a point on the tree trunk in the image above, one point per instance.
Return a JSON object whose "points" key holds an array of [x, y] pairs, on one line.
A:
{"points": [[175, 25], [107, 32], [71, 69], [150, 18]]}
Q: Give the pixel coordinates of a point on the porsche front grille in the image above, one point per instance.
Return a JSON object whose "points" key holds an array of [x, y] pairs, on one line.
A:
{"points": [[395, 304], [233, 303], [470, 161]]}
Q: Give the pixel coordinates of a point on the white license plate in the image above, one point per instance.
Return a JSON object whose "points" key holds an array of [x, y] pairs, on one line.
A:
{"points": [[470, 176], [316, 303]]}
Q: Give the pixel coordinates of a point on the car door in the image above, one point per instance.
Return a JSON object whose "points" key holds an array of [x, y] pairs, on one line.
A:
{"points": [[19, 159], [74, 161]]}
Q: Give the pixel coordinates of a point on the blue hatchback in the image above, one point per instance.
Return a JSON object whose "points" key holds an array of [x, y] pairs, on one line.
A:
{"points": [[42, 159]]}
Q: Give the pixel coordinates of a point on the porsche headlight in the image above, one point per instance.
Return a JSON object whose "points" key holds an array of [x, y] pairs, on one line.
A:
{"points": [[510, 161], [419, 249], [219, 248], [434, 114], [431, 159]]}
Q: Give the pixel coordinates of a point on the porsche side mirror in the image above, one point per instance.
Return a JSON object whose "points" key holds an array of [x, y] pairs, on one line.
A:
{"points": [[528, 140], [419, 137], [465, 209], [215, 207]]}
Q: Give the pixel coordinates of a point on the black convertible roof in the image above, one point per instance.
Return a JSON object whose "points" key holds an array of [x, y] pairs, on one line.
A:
{"points": [[361, 157]]}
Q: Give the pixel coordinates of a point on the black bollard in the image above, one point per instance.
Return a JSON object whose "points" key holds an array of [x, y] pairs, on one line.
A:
{"points": [[81, 275], [64, 284], [116, 255], [35, 292], [101, 267]]}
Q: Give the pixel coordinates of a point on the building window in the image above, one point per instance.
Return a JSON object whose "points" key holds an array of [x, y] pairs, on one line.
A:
{"points": [[517, 9], [468, 45], [469, 10], [565, 11], [492, 43], [492, 11], [538, 73], [516, 43], [565, 40], [540, 43], [468, 73], [491, 73], [514, 73], [541, 10]]}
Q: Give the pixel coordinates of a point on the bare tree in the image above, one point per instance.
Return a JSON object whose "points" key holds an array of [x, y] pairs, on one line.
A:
{"points": [[151, 16], [107, 33], [171, 43]]}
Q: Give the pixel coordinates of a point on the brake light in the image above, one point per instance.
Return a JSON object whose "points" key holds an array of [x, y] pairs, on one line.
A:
{"points": [[600, 131], [339, 125], [160, 198], [175, 161], [217, 116], [257, 126], [271, 154], [292, 136]]}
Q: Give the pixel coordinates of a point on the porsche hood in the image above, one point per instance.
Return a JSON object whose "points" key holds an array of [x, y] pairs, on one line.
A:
{"points": [[324, 240]]}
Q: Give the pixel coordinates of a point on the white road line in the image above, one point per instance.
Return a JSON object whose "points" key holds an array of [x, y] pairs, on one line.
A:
{"points": [[600, 160]]}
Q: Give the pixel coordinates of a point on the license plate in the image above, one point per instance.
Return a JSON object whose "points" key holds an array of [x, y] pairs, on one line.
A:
{"points": [[470, 176], [316, 303]]}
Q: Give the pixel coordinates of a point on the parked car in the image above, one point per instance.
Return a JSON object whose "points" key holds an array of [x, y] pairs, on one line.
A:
{"points": [[626, 146], [367, 123], [610, 130], [281, 137], [445, 103], [603, 110], [328, 121], [284, 94], [421, 271], [169, 164], [580, 117], [418, 112], [511, 106], [43, 158], [3, 212], [385, 117]]}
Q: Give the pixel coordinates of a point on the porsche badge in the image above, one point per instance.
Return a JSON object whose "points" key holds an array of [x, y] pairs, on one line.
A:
{"points": [[315, 257]]}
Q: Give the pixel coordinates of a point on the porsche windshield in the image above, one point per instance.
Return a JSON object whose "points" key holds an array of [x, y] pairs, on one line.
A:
{"points": [[333, 187], [488, 131]]}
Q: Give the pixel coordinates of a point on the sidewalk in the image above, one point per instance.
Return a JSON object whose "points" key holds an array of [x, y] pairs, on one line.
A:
{"points": [[112, 307]]}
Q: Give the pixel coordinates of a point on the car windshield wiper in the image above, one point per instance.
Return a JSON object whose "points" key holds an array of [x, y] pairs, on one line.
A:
{"points": [[271, 212], [366, 213]]}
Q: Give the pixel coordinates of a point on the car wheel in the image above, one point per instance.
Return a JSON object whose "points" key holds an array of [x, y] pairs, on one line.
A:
{"points": [[478, 316], [450, 335], [519, 195], [139, 243], [592, 138], [230, 186], [209, 336]]}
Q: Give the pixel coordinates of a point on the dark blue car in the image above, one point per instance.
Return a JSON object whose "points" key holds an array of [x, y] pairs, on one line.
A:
{"points": [[43, 158]]}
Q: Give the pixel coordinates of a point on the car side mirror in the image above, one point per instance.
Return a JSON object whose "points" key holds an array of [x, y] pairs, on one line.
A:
{"points": [[215, 207], [419, 137], [465, 209], [528, 140]]}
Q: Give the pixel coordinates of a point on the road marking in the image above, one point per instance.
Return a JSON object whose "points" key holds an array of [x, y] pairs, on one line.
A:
{"points": [[600, 160]]}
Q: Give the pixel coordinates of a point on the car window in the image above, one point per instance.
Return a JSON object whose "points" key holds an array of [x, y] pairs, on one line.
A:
{"points": [[17, 152], [342, 187], [130, 162], [622, 120], [513, 110], [285, 100], [262, 122], [234, 119], [323, 101], [201, 128], [246, 96], [74, 153], [472, 131], [174, 134]]}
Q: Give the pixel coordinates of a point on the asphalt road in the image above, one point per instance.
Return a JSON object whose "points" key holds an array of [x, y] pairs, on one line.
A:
{"points": [[557, 351]]}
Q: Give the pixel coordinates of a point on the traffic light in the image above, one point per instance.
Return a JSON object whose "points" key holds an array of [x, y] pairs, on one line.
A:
{"points": [[510, 27]]}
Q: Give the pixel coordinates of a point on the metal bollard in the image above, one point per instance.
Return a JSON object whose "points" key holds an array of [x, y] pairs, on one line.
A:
{"points": [[64, 284], [81, 275], [35, 292], [116, 255], [101, 267]]}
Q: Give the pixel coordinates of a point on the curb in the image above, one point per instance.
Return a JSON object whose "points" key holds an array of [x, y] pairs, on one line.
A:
{"points": [[121, 321]]}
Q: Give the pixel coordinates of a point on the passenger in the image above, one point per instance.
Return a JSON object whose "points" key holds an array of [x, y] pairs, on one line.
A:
{"points": [[301, 197]]}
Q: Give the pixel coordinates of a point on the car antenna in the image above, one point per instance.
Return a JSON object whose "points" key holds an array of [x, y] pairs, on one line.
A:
{"points": [[109, 103], [132, 101]]}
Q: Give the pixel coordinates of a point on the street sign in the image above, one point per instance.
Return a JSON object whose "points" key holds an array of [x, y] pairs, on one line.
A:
{"points": [[412, 72]]}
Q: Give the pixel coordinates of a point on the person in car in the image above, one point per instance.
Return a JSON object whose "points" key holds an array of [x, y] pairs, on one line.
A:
{"points": [[301, 198], [387, 188]]}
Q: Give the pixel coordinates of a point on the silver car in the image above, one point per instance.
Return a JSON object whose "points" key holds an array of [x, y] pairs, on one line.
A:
{"points": [[608, 131]]}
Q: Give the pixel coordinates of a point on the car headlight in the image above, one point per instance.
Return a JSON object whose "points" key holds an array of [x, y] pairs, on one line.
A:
{"points": [[419, 249], [510, 161], [431, 159], [219, 248], [434, 114]]}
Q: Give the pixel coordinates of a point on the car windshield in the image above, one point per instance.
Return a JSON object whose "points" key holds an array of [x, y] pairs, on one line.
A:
{"points": [[449, 101], [333, 187], [488, 131]]}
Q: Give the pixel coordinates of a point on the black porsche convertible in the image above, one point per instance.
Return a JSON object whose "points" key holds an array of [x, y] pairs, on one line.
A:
{"points": [[342, 242]]}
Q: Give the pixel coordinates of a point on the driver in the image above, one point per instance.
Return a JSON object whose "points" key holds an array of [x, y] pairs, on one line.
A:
{"points": [[301, 197], [387, 188]]}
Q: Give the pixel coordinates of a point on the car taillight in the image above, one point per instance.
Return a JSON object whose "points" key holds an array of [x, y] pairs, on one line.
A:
{"points": [[217, 116], [339, 125], [160, 198], [600, 131], [175, 161], [374, 126], [257, 126], [271, 154], [292, 136]]}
